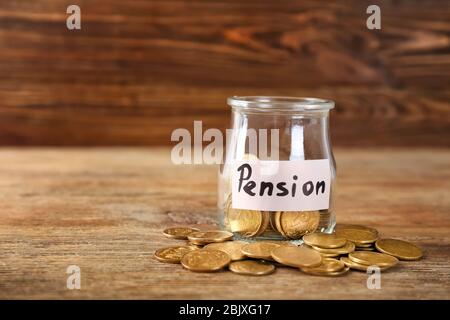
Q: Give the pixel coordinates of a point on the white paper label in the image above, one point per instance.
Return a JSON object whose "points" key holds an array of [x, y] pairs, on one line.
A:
{"points": [[294, 185]]}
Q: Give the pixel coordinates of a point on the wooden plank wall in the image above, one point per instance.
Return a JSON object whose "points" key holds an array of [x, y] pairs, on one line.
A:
{"points": [[139, 69]]}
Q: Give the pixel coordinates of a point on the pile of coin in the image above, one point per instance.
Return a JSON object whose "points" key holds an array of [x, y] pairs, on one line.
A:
{"points": [[252, 223], [350, 247]]}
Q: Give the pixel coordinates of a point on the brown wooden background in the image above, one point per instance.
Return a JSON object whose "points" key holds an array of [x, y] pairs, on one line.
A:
{"points": [[139, 69]]}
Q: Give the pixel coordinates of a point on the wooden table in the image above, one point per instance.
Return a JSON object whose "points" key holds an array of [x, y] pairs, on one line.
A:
{"points": [[104, 210]]}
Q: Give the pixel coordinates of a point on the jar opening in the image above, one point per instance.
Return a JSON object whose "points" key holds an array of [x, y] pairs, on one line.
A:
{"points": [[271, 104]]}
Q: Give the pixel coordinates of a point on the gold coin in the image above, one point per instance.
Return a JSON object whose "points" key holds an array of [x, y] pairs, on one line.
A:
{"points": [[358, 266], [328, 265], [364, 249], [248, 223], [276, 224], [272, 220], [314, 272], [373, 258], [329, 255], [341, 226], [205, 237], [276, 264], [400, 249], [265, 217], [324, 240], [232, 248], [205, 260], [178, 232], [347, 248], [251, 267], [364, 245], [195, 246], [358, 236], [172, 254], [259, 250], [296, 256], [295, 224], [281, 243]]}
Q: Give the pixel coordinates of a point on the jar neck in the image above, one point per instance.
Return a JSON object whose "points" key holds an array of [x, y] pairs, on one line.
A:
{"points": [[286, 113]]}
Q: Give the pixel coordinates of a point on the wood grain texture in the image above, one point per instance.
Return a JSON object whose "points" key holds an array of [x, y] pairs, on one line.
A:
{"points": [[104, 210], [139, 69]]}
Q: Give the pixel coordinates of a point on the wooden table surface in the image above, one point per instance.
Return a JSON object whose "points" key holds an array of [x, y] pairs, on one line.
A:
{"points": [[104, 210]]}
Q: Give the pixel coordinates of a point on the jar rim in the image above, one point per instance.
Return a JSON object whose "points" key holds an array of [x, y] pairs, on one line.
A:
{"points": [[279, 103]]}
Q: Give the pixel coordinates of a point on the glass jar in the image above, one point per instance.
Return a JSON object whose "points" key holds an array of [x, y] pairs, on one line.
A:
{"points": [[277, 179]]}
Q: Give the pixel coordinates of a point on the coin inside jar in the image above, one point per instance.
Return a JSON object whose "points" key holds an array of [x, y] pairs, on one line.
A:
{"points": [[205, 260], [251, 267], [276, 222], [205, 237], [295, 224], [400, 249], [248, 223]]}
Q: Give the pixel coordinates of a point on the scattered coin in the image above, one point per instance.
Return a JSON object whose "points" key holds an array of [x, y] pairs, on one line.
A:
{"points": [[172, 254], [329, 255], [358, 236], [400, 249], [251, 267], [295, 224], [347, 248], [205, 237], [209, 251], [365, 249], [296, 256], [326, 274], [232, 248], [373, 258], [324, 240], [195, 246], [178, 232], [329, 267], [281, 242], [364, 245], [358, 266], [205, 260], [259, 250]]}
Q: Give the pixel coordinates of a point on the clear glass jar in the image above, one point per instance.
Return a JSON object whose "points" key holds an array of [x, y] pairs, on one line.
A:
{"points": [[282, 185]]}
